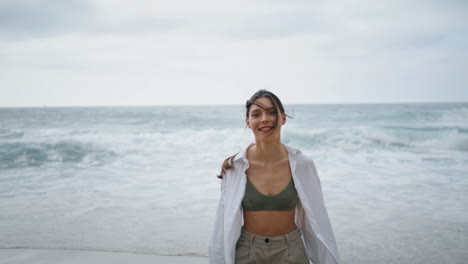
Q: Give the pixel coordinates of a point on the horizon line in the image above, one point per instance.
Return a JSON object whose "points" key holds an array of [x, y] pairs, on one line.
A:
{"points": [[230, 104]]}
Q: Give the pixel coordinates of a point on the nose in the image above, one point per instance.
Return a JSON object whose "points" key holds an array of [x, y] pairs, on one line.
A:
{"points": [[264, 117]]}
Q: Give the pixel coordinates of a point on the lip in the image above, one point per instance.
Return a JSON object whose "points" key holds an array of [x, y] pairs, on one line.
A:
{"points": [[267, 130]]}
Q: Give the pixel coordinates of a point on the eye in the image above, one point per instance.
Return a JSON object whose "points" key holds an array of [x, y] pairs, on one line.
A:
{"points": [[273, 113], [255, 115]]}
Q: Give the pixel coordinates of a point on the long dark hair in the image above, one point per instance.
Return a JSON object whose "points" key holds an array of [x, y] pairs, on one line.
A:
{"points": [[228, 163]]}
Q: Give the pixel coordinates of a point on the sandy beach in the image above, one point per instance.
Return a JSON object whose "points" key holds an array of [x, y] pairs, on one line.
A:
{"points": [[52, 256]]}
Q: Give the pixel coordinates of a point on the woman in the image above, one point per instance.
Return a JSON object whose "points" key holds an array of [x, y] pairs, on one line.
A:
{"points": [[274, 190]]}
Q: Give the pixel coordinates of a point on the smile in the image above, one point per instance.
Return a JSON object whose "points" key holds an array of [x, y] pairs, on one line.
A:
{"points": [[265, 128]]}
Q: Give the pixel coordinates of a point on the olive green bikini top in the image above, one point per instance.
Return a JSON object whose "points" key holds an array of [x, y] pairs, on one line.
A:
{"points": [[256, 201]]}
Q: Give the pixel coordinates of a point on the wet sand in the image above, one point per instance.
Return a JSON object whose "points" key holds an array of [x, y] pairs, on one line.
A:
{"points": [[54, 256]]}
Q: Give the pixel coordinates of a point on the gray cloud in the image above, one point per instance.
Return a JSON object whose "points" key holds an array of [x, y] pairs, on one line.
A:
{"points": [[347, 50], [374, 25], [26, 19], [281, 24], [45, 18], [141, 25]]}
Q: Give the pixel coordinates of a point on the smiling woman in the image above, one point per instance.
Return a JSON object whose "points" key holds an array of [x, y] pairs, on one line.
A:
{"points": [[275, 192]]}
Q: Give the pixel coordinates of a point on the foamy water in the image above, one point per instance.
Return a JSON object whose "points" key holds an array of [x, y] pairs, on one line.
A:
{"points": [[142, 179]]}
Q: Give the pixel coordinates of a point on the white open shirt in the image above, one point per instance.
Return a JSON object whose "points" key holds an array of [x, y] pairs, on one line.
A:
{"points": [[311, 215]]}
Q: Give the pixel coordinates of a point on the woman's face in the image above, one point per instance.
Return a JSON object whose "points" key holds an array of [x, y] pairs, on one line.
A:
{"points": [[262, 119]]}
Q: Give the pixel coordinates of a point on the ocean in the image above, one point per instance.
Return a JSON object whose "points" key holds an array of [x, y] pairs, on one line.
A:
{"points": [[143, 179]]}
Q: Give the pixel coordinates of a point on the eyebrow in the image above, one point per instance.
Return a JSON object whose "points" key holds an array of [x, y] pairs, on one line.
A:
{"points": [[266, 109]]}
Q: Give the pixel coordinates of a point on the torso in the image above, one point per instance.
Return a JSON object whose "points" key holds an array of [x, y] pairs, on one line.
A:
{"points": [[269, 180]]}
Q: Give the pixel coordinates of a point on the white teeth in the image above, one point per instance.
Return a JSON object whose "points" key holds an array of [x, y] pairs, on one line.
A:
{"points": [[263, 129]]}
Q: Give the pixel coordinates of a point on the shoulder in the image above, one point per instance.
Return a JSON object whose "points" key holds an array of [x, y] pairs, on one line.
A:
{"points": [[305, 160], [306, 163], [238, 167], [233, 166], [304, 166], [300, 158]]}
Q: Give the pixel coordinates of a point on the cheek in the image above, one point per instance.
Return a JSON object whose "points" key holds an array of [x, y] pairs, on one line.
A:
{"points": [[251, 122]]}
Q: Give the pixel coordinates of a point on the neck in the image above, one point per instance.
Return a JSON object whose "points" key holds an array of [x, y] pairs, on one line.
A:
{"points": [[267, 152]]}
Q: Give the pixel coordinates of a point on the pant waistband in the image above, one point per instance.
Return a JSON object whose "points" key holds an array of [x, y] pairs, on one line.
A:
{"points": [[257, 239]]}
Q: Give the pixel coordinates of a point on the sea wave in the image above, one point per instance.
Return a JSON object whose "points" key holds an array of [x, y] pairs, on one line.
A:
{"points": [[10, 134], [397, 138], [30, 153], [442, 129]]}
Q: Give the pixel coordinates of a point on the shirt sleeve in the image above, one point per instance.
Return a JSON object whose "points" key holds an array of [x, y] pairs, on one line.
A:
{"points": [[216, 245], [318, 233]]}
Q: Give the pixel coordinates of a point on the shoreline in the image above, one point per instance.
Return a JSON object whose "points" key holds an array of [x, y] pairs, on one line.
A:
{"points": [[70, 256]]}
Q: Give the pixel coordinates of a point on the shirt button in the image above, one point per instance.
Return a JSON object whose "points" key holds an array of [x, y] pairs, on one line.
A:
{"points": [[267, 240]]}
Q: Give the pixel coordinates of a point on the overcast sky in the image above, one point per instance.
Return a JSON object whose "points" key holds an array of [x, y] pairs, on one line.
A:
{"points": [[150, 52]]}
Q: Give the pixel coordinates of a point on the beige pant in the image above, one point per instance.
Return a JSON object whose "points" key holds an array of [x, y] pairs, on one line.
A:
{"points": [[284, 249]]}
